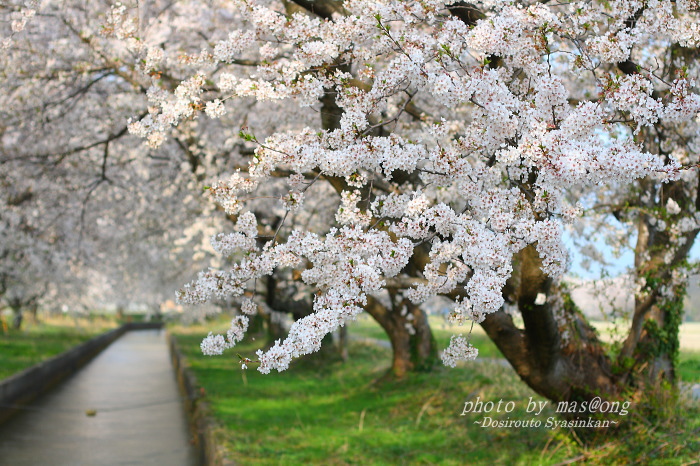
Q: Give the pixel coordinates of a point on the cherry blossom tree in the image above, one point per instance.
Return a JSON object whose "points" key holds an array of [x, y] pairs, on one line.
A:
{"points": [[413, 150], [455, 135], [94, 81], [71, 193], [22, 253]]}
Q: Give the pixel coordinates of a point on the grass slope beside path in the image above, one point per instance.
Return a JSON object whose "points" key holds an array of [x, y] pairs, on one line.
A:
{"points": [[35, 343], [341, 413]]}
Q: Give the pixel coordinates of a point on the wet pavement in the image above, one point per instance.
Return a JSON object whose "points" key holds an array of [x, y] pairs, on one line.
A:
{"points": [[122, 408]]}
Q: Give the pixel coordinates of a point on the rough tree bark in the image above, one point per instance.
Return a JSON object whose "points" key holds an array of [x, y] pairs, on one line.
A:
{"points": [[557, 353]]}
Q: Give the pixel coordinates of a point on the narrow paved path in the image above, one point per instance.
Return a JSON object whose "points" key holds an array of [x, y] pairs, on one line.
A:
{"points": [[138, 416]]}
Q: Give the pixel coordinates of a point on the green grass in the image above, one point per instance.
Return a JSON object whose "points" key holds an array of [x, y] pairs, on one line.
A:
{"points": [[346, 413], [366, 327], [37, 342], [689, 366]]}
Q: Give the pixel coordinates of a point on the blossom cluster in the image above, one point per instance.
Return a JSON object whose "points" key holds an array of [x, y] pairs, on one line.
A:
{"points": [[459, 349], [216, 344]]}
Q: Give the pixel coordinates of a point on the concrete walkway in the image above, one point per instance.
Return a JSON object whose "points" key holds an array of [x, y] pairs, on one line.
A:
{"points": [[122, 408]]}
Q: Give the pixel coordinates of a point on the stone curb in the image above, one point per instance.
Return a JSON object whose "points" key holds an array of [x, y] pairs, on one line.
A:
{"points": [[22, 388], [202, 425]]}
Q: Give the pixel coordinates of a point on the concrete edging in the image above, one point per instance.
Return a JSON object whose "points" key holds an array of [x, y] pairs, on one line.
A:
{"points": [[202, 425]]}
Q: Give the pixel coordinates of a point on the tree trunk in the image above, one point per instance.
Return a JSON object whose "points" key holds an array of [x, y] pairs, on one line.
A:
{"points": [[343, 342], [34, 311], [411, 339], [557, 353], [275, 329], [17, 319], [650, 352]]}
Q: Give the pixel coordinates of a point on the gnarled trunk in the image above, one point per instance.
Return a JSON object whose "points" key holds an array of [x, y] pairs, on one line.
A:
{"points": [[557, 353]]}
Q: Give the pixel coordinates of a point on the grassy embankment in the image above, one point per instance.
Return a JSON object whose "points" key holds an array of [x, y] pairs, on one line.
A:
{"points": [[36, 342], [345, 414]]}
